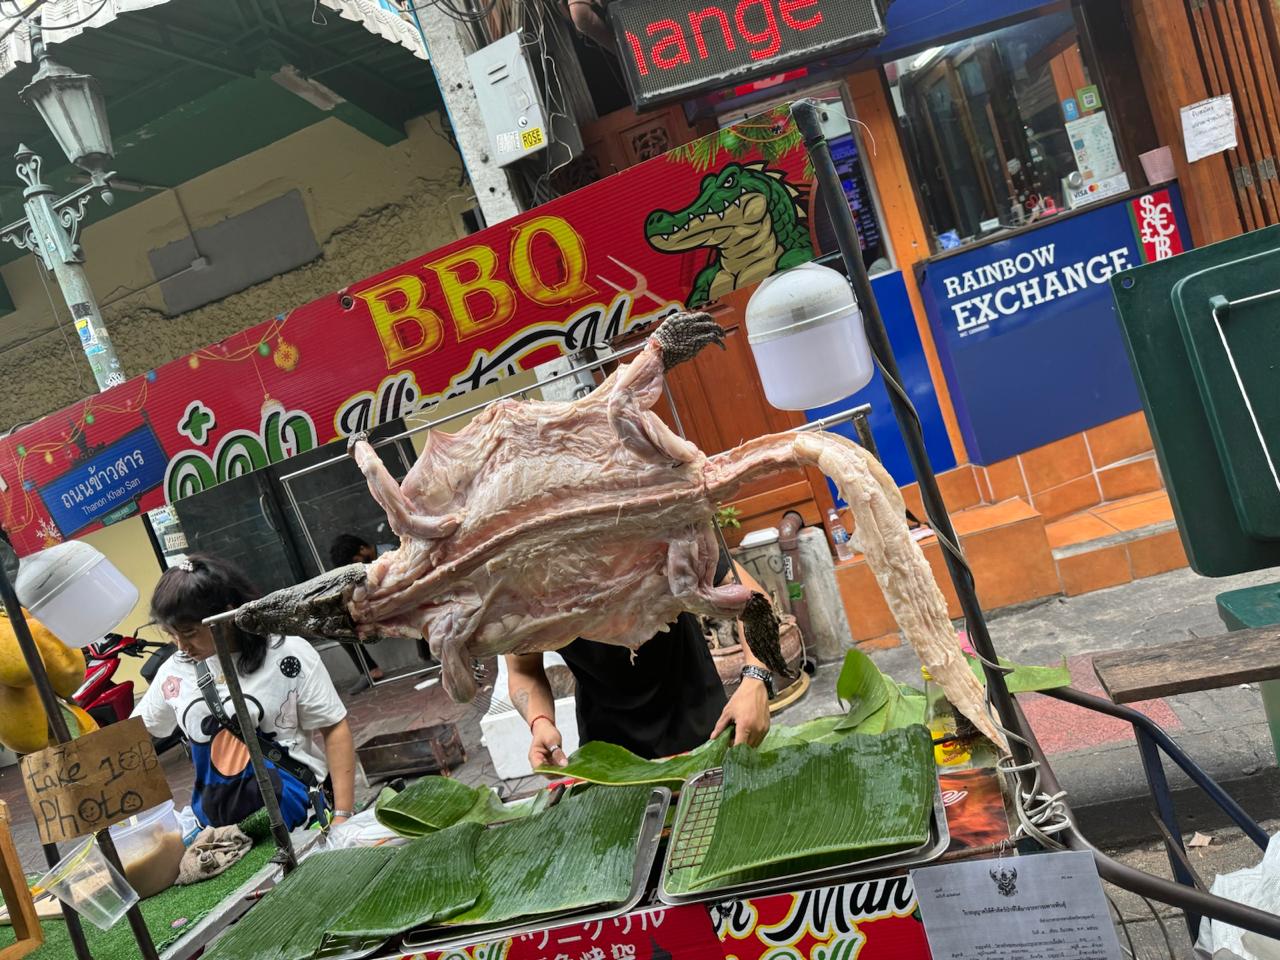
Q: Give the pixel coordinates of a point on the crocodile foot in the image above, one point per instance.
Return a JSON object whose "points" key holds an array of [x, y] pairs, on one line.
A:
{"points": [[761, 627], [683, 335]]}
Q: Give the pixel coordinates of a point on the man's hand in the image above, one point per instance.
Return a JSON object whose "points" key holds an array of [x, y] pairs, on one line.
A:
{"points": [[546, 751], [748, 711]]}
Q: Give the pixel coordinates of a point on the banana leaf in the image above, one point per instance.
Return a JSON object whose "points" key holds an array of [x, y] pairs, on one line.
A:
{"points": [[580, 853], [289, 922], [817, 730], [860, 686], [426, 881], [434, 803], [1026, 679], [860, 796], [612, 765], [903, 706]]}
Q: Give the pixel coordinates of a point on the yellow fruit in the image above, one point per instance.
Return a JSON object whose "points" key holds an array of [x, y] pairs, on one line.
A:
{"points": [[85, 723], [65, 665], [23, 725]]}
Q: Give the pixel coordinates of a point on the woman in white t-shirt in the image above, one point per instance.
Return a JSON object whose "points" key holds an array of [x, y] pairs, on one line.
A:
{"points": [[286, 688]]}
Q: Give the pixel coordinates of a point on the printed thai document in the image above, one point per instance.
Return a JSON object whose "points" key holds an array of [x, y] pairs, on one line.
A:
{"points": [[1049, 906]]}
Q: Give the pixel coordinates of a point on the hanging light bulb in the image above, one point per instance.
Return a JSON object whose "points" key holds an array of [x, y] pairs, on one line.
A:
{"points": [[805, 331]]}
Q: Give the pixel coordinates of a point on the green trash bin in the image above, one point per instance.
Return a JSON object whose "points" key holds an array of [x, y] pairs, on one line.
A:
{"points": [[1244, 610]]}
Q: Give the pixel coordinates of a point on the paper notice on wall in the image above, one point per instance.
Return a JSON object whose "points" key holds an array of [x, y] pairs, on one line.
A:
{"points": [[1049, 906], [1094, 147], [1209, 127]]}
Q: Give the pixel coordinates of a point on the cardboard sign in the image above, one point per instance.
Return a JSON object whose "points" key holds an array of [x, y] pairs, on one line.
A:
{"points": [[94, 781]]}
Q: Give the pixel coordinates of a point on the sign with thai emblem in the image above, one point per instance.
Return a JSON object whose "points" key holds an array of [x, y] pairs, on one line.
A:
{"points": [[678, 230]]}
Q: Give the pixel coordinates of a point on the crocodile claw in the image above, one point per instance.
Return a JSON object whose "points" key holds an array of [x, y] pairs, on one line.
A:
{"points": [[762, 630], [683, 335], [360, 436]]}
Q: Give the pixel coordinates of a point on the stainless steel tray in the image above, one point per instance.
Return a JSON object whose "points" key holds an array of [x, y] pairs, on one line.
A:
{"points": [[695, 820], [437, 938]]}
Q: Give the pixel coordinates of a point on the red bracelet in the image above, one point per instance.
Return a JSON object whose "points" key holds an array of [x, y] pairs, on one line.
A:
{"points": [[541, 716]]}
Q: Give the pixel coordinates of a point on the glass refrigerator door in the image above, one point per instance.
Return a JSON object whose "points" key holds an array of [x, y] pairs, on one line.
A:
{"points": [[239, 521], [334, 500]]}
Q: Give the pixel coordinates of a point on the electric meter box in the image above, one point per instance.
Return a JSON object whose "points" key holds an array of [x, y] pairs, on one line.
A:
{"points": [[1203, 332], [511, 101]]}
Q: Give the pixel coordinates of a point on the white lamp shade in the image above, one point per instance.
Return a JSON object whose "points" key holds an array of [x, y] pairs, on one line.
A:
{"points": [[805, 331], [75, 591], [72, 106]]}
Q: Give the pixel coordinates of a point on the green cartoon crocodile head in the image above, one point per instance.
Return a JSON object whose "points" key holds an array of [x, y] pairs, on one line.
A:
{"points": [[750, 219]]}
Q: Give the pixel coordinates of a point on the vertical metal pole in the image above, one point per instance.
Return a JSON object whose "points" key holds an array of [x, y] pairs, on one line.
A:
{"points": [[75, 931], [58, 724], [247, 733], [806, 114], [59, 253], [1159, 786], [94, 339]]}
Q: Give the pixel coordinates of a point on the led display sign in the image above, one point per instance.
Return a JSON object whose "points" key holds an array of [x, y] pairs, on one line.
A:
{"points": [[676, 49]]}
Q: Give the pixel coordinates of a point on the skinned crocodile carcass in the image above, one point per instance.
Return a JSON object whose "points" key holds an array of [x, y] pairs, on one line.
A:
{"points": [[540, 522]]}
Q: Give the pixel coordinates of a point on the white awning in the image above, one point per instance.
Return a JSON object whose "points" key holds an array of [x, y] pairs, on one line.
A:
{"points": [[64, 19]]}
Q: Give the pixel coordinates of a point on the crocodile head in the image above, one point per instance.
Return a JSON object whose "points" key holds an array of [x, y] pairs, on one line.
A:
{"points": [[316, 608], [737, 197]]}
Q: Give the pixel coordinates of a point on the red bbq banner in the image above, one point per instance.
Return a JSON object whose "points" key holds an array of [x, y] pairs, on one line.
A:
{"points": [[679, 230]]}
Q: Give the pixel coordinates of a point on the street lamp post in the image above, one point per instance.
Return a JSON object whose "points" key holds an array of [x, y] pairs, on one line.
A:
{"points": [[74, 110]]}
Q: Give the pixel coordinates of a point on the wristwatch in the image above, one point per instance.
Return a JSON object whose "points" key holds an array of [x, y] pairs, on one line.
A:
{"points": [[761, 674], [345, 814]]}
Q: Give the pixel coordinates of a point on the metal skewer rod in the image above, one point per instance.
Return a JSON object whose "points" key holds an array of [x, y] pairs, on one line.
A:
{"points": [[220, 626], [514, 394]]}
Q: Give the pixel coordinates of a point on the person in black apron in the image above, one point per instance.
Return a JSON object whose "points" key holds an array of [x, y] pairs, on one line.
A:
{"points": [[662, 699]]}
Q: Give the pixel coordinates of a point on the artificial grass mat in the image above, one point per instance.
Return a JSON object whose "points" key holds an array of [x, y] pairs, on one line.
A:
{"points": [[193, 902]]}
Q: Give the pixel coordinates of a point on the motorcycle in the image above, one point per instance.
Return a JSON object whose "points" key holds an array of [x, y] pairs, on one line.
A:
{"points": [[109, 701]]}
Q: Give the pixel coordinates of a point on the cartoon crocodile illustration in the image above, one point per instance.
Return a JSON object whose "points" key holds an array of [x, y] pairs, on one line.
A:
{"points": [[751, 219]]}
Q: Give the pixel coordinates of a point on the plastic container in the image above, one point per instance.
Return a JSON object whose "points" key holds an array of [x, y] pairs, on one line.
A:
{"points": [[75, 591], [90, 886], [151, 848], [805, 331], [943, 721]]}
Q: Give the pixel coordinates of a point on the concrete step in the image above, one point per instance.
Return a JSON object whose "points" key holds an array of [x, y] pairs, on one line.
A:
{"points": [[1116, 542], [1006, 546]]}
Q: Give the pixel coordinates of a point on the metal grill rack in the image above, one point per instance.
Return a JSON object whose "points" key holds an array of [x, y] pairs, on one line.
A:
{"points": [[690, 841], [694, 825]]}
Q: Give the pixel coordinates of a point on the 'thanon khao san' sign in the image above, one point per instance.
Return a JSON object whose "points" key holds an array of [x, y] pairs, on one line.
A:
{"points": [[674, 49]]}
